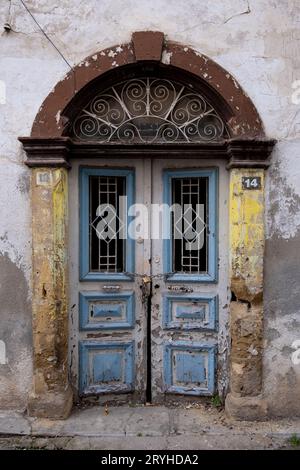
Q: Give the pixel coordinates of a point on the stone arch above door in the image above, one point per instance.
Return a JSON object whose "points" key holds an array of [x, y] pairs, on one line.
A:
{"points": [[244, 120], [50, 149], [51, 142]]}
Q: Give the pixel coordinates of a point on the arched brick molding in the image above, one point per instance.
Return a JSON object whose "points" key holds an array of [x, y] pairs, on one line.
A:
{"points": [[149, 46], [50, 150]]}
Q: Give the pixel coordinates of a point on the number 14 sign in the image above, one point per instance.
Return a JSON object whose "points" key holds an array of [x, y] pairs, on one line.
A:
{"points": [[251, 182]]}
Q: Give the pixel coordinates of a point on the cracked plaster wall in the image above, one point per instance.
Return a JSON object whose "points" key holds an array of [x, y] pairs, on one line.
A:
{"points": [[258, 42]]}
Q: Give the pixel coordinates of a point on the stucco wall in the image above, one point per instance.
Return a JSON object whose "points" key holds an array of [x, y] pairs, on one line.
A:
{"points": [[257, 42]]}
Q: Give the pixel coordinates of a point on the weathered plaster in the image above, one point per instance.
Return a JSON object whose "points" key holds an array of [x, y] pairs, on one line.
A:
{"points": [[283, 192], [51, 395], [282, 325], [16, 335], [246, 236], [281, 377], [247, 239], [259, 48]]}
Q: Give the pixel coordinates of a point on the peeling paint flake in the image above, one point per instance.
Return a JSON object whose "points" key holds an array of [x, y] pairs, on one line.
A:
{"points": [[166, 57], [57, 117], [235, 83]]}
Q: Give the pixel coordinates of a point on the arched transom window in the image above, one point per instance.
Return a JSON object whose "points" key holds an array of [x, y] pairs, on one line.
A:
{"points": [[149, 110]]}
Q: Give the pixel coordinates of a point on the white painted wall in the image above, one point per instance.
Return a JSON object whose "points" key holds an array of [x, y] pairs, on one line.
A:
{"points": [[257, 41]]}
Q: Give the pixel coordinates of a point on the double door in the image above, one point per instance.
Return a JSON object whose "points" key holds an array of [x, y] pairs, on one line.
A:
{"points": [[146, 312]]}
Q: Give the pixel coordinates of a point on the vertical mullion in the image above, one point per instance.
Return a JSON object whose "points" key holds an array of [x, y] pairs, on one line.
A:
{"points": [[117, 213], [173, 264], [99, 240], [124, 217], [207, 221], [90, 221], [198, 202], [190, 204], [109, 242], [182, 222], [115, 245]]}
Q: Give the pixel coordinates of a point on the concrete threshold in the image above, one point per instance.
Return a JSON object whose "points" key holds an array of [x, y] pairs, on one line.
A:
{"points": [[145, 427]]}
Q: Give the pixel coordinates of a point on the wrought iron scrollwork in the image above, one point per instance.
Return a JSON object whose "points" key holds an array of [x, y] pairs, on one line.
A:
{"points": [[149, 110]]}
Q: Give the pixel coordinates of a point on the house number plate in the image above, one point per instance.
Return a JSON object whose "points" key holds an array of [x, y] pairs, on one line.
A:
{"points": [[251, 182]]}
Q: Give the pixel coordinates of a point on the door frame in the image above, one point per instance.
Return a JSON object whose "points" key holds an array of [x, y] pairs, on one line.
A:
{"points": [[49, 153]]}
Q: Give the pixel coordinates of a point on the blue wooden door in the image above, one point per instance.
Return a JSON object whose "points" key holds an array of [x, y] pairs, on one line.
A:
{"points": [[185, 301], [148, 305], [111, 315]]}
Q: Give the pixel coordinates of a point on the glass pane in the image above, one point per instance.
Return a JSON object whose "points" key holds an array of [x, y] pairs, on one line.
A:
{"points": [[107, 249], [189, 225]]}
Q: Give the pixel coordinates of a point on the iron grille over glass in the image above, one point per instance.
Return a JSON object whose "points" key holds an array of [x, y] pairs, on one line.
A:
{"points": [[107, 248], [190, 246], [149, 110]]}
